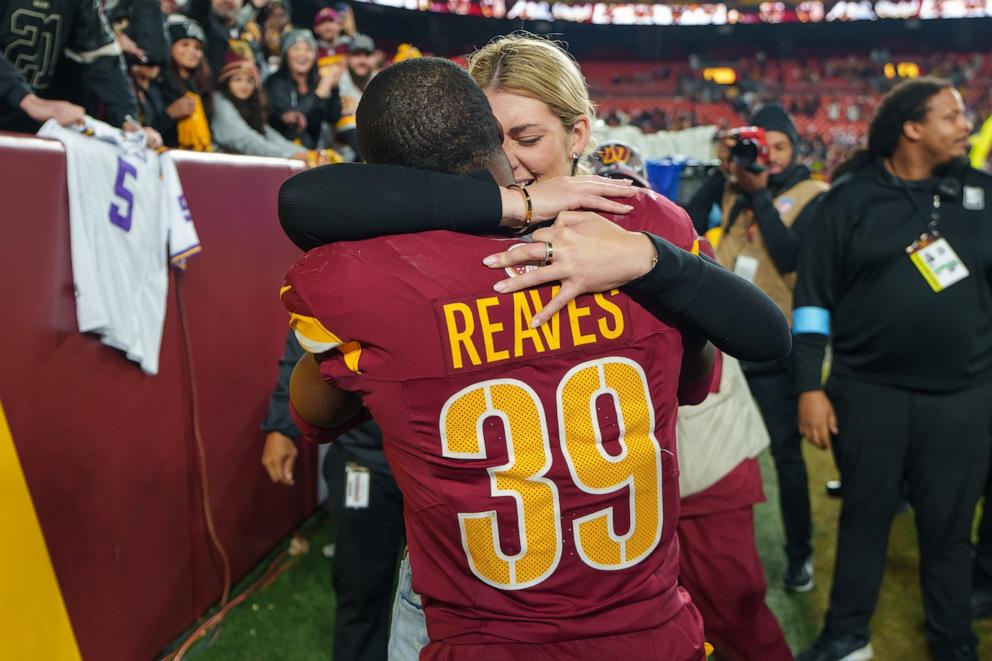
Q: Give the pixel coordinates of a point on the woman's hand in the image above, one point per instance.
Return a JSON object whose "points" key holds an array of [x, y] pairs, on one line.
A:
{"points": [[294, 119], [181, 108], [329, 78], [590, 254], [552, 196]]}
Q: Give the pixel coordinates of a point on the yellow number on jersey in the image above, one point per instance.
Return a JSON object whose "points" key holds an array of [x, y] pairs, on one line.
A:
{"points": [[522, 477], [637, 467]]}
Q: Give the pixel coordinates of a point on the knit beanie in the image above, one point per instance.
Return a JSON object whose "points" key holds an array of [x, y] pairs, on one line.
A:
{"points": [[772, 117], [296, 36], [182, 27]]}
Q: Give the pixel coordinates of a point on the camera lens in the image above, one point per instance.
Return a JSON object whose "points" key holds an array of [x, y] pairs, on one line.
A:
{"points": [[745, 151]]}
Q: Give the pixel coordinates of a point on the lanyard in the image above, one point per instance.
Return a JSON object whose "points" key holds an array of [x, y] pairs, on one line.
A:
{"points": [[930, 220]]}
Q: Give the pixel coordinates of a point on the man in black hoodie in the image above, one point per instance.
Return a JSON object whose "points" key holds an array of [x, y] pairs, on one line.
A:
{"points": [[895, 275], [764, 214]]}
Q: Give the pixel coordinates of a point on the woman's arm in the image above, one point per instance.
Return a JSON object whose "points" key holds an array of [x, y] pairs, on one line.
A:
{"points": [[350, 202], [233, 133]]}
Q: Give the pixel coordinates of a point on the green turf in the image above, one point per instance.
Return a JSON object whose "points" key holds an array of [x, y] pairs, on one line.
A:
{"points": [[292, 619]]}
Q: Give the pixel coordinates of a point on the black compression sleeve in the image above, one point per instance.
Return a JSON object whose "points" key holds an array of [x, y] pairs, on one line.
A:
{"points": [[699, 295], [349, 202], [808, 350]]}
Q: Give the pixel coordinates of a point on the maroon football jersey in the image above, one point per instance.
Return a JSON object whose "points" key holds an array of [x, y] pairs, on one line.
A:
{"points": [[537, 466]]}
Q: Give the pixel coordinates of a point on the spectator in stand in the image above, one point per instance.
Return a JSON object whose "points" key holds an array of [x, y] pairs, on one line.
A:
{"points": [[300, 99], [141, 26], [239, 122], [361, 68], [275, 22], [185, 87], [224, 21], [25, 76], [331, 38]]}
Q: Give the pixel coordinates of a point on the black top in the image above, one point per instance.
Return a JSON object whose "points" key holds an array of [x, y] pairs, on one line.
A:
{"points": [[887, 323], [32, 43], [166, 89], [352, 202], [283, 97]]}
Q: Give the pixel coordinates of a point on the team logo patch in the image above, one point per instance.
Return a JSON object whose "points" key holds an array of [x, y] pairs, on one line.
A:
{"points": [[523, 267], [784, 204], [974, 198]]}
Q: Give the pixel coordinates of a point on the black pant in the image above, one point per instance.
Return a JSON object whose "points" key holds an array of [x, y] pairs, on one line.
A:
{"points": [[364, 571], [982, 571], [939, 444], [776, 395]]}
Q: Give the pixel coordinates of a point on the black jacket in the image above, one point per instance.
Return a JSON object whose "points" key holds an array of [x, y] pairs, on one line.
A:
{"points": [[32, 43], [858, 285], [165, 89], [284, 97]]}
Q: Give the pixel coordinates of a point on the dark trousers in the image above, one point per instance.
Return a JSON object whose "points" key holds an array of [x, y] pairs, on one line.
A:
{"points": [[982, 571], [939, 444], [775, 393], [367, 552]]}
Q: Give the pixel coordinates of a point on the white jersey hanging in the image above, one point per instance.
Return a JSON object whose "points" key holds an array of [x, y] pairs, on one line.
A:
{"points": [[126, 213]]}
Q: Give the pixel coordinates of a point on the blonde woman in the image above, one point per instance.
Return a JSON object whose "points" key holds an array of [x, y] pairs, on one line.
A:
{"points": [[352, 202]]}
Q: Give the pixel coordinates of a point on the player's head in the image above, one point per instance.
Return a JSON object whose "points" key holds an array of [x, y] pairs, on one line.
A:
{"points": [[428, 113], [541, 100]]}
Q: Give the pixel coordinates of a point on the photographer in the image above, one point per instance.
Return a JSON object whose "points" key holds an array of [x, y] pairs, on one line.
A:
{"points": [[766, 205]]}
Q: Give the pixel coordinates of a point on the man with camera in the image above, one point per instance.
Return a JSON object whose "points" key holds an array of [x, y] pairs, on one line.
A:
{"points": [[766, 206]]}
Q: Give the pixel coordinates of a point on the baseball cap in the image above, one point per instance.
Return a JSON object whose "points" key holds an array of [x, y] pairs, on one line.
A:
{"points": [[362, 43], [325, 15]]}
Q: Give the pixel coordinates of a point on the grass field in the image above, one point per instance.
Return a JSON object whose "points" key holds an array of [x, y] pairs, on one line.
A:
{"points": [[291, 620]]}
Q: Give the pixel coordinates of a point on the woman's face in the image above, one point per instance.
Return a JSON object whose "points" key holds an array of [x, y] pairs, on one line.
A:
{"points": [[187, 53], [534, 139], [300, 57], [242, 86]]}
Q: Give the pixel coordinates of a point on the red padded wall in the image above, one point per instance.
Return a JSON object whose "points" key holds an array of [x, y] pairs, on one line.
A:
{"points": [[109, 452]]}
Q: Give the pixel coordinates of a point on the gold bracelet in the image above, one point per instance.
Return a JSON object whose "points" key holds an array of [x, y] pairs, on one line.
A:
{"points": [[529, 216]]}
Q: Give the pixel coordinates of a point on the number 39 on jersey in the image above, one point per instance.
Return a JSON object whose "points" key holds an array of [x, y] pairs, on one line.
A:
{"points": [[634, 474]]}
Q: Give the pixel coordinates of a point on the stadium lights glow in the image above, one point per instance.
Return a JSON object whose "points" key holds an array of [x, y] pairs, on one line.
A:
{"points": [[902, 69], [600, 13], [720, 75]]}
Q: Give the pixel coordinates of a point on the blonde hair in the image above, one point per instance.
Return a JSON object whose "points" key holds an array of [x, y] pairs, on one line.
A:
{"points": [[523, 63]]}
